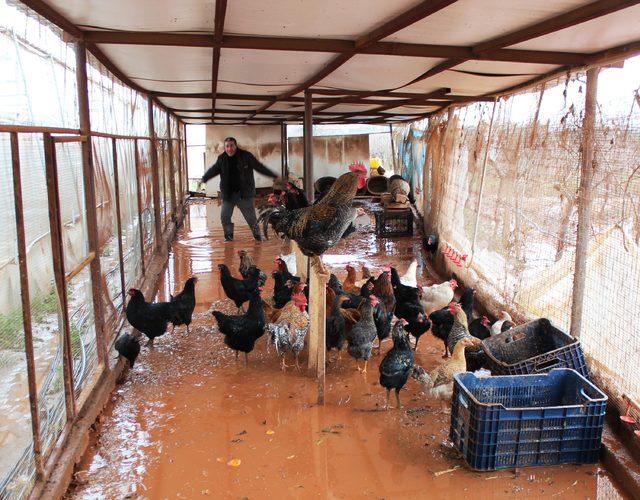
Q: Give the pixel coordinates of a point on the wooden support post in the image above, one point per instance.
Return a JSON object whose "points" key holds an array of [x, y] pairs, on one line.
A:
{"points": [[26, 304], [139, 201], [181, 190], [585, 195], [307, 165], [284, 167], [317, 316], [172, 171], [116, 184], [155, 179], [55, 225], [90, 200]]}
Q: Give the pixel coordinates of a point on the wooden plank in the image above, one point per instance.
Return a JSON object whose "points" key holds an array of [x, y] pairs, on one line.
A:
{"points": [[38, 130], [55, 225], [220, 11], [79, 267], [573, 17], [401, 21], [307, 165], [26, 304], [88, 174], [585, 198]]}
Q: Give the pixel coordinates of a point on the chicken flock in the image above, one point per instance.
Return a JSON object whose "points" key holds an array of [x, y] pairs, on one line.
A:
{"points": [[360, 313]]}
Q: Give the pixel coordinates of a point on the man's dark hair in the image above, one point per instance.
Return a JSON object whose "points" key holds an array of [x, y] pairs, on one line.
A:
{"points": [[231, 139]]}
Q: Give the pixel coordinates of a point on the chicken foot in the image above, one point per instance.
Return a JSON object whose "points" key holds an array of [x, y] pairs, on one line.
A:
{"points": [[284, 364], [316, 262]]}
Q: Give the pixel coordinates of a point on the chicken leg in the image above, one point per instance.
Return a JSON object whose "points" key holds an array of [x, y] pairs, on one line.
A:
{"points": [[246, 359], [397, 398], [364, 370], [284, 364], [386, 406], [316, 262]]}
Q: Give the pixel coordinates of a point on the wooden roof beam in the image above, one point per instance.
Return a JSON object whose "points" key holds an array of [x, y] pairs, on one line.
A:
{"points": [[574, 17], [220, 13], [331, 45], [401, 21]]}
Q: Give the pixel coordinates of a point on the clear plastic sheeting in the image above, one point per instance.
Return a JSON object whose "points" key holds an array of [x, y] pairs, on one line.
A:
{"points": [[16, 460], [130, 228], [502, 186], [37, 81], [114, 107], [107, 216], [146, 195]]}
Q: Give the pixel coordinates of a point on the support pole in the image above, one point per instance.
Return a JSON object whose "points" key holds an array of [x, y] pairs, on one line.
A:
{"points": [[88, 175], [307, 165], [317, 315], [284, 168], [26, 305], [155, 179], [585, 196], [393, 151], [139, 202], [116, 186], [57, 253]]}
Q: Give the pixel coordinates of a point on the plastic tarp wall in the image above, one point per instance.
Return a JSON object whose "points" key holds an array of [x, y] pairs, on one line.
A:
{"points": [[38, 88], [519, 230]]}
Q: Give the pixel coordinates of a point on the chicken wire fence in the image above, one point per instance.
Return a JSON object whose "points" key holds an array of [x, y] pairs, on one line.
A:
{"points": [[501, 184], [38, 89]]}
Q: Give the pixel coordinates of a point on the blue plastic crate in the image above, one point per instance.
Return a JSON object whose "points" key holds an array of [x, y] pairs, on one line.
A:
{"points": [[527, 420], [534, 347]]}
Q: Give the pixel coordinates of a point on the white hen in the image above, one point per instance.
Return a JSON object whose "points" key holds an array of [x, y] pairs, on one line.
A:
{"points": [[436, 297], [409, 278], [496, 328]]}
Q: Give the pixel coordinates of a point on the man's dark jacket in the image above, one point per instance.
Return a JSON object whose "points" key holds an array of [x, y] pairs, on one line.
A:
{"points": [[247, 163]]}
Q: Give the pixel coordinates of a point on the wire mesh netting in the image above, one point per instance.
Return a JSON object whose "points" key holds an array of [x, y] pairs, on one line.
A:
{"points": [[501, 185]]}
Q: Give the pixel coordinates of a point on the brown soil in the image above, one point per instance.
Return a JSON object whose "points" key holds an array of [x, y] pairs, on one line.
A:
{"points": [[190, 421]]}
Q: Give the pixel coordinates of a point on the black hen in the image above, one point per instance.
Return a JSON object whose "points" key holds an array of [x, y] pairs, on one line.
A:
{"points": [[381, 317], [242, 331], [360, 338], [239, 291], [430, 244], [397, 364], [282, 290], [128, 347], [183, 304], [442, 319], [335, 325], [149, 318]]}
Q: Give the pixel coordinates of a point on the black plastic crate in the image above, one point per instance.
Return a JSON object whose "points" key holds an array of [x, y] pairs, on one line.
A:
{"points": [[394, 223], [527, 420], [535, 347]]}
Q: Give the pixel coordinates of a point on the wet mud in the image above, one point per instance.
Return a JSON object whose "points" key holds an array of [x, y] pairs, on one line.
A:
{"points": [[190, 421]]}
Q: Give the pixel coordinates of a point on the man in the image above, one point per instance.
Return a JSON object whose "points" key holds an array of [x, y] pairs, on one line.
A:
{"points": [[237, 185]]}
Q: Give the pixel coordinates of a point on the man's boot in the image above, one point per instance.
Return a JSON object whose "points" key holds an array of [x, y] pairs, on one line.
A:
{"points": [[256, 232], [228, 232]]}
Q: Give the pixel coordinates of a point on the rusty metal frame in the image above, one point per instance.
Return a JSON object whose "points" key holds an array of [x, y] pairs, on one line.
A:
{"points": [[155, 180], [26, 304], [139, 199], [116, 184], [172, 172], [53, 196]]}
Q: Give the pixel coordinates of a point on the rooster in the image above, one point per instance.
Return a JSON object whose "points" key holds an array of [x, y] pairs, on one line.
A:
{"points": [[442, 320], [183, 304], [397, 364], [246, 263], [319, 227], [288, 334], [436, 297], [150, 318]]}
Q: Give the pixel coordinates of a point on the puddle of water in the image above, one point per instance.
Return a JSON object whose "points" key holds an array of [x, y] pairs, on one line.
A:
{"points": [[190, 422]]}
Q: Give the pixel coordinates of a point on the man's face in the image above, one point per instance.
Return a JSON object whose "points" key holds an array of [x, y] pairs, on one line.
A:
{"points": [[230, 148]]}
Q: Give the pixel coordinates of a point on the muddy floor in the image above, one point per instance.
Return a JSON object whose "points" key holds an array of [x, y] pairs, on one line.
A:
{"points": [[190, 421]]}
